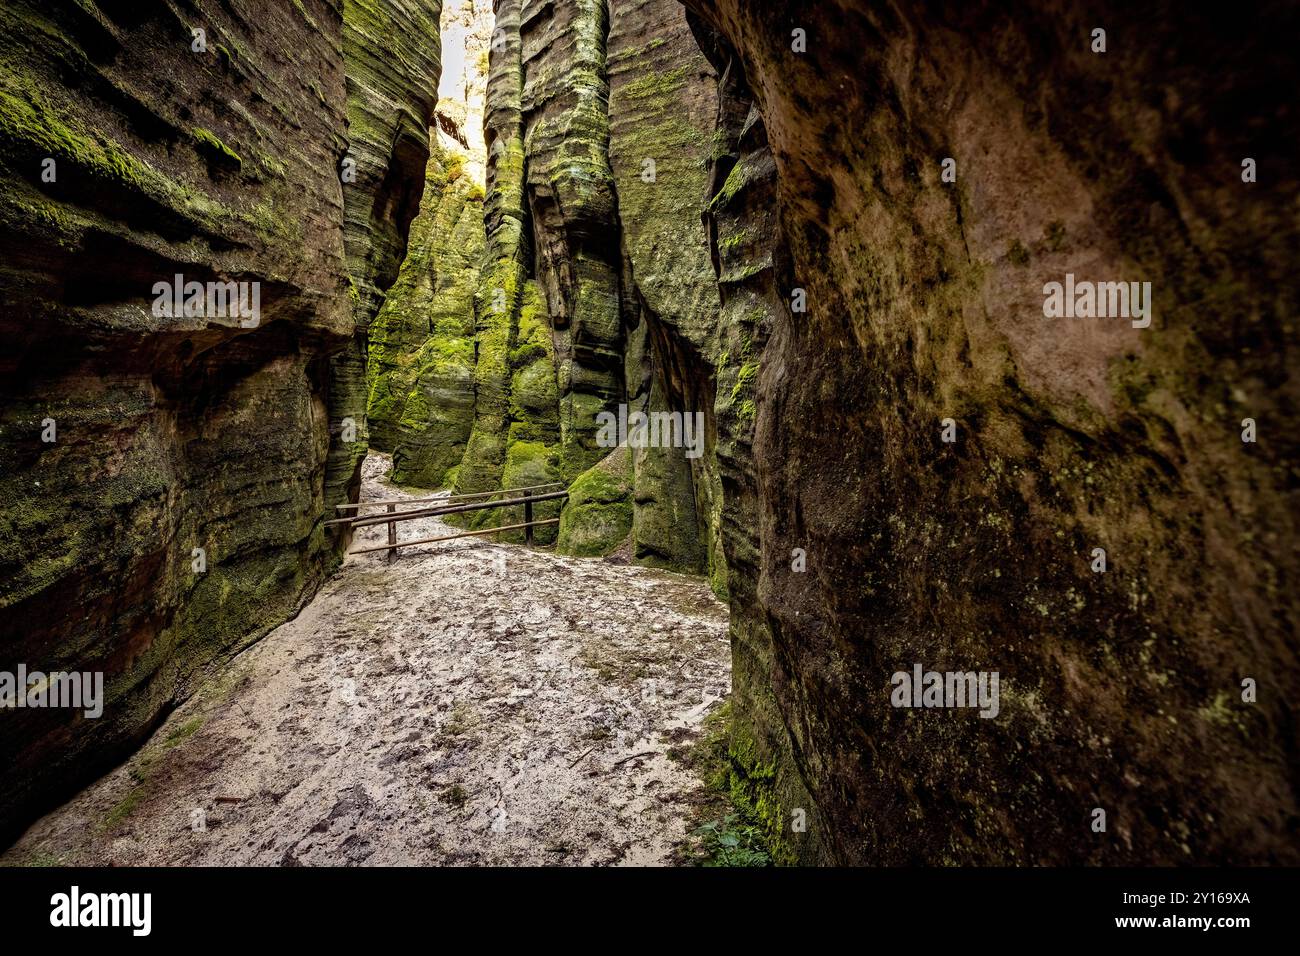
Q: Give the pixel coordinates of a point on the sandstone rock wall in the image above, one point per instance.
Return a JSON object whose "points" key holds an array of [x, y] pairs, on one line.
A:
{"points": [[1120, 690], [392, 51], [598, 289], [516, 432], [213, 155], [421, 345], [663, 113]]}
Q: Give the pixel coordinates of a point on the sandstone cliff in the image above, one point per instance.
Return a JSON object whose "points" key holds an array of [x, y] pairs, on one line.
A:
{"points": [[1120, 690], [392, 53], [165, 475], [597, 289], [827, 229]]}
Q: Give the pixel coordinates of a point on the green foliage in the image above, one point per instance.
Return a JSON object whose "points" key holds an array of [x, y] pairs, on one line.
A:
{"points": [[735, 835], [732, 842]]}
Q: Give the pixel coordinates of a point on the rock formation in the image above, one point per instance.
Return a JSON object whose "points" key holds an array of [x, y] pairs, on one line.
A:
{"points": [[597, 290], [830, 230], [421, 345], [392, 52], [166, 474], [1120, 690]]}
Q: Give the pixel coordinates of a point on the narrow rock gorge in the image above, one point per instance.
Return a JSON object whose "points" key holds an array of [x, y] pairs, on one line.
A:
{"points": [[765, 290]]}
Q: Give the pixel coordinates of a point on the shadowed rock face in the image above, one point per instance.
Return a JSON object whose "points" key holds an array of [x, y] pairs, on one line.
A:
{"points": [[515, 440], [662, 115], [571, 199], [1119, 690], [854, 542], [216, 161], [420, 366], [392, 53], [751, 262]]}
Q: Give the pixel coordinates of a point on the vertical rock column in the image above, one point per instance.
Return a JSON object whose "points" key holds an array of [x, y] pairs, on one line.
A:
{"points": [[391, 48], [662, 117], [421, 360], [501, 291], [421, 363], [951, 456], [753, 271], [570, 192]]}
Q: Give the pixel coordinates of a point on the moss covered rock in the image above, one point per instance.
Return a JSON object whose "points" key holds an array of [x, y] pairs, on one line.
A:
{"points": [[924, 302], [164, 477], [597, 518], [421, 361]]}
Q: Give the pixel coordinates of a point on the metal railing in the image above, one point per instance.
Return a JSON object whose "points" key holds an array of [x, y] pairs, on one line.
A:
{"points": [[447, 505]]}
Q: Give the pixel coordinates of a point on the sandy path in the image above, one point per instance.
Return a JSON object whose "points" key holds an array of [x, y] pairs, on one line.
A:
{"points": [[470, 704]]}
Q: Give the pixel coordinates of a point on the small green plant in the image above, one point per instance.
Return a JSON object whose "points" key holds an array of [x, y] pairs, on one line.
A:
{"points": [[734, 837], [731, 842]]}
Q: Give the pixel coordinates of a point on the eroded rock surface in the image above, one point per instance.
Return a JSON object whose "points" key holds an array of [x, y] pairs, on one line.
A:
{"points": [[139, 142], [1120, 690], [392, 50], [598, 289]]}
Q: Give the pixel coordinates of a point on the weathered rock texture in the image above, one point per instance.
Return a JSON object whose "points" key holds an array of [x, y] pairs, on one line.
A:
{"points": [[750, 259], [516, 431], [1120, 690], [663, 106], [597, 289], [421, 359], [421, 349], [392, 52], [215, 160]]}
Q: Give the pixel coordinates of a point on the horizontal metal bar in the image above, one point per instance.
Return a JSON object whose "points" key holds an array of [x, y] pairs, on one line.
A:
{"points": [[387, 516], [453, 537], [420, 501]]}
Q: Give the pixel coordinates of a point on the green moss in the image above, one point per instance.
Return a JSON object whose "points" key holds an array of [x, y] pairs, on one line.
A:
{"points": [[302, 12], [454, 796], [744, 379], [25, 116], [736, 181], [731, 243], [215, 148], [751, 785], [183, 733], [31, 128], [657, 84], [124, 808], [733, 835], [597, 518]]}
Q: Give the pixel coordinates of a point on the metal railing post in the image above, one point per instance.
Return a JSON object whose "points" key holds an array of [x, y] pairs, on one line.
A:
{"points": [[392, 536]]}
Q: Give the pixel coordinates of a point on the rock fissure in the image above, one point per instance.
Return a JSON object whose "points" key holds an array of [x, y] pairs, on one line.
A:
{"points": [[848, 237]]}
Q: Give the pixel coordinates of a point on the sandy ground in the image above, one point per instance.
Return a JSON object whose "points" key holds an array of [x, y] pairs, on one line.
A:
{"points": [[471, 703]]}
